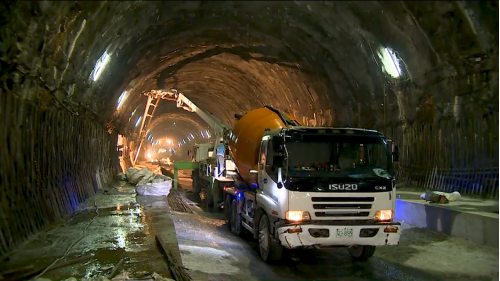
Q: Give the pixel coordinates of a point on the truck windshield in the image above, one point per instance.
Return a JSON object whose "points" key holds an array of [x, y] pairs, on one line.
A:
{"points": [[339, 156]]}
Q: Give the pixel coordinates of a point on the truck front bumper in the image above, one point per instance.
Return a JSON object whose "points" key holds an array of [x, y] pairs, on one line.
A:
{"points": [[318, 235]]}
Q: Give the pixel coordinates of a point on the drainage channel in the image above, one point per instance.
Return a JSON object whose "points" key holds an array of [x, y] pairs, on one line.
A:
{"points": [[178, 204]]}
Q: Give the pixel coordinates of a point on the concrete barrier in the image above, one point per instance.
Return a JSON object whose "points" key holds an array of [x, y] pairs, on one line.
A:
{"points": [[477, 228]]}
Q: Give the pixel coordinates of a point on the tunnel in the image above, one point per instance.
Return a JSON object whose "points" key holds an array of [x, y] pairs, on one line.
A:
{"points": [[74, 76]]}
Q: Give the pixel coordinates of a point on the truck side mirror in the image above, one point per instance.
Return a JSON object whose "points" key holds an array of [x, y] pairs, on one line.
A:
{"points": [[280, 179], [395, 154], [253, 178]]}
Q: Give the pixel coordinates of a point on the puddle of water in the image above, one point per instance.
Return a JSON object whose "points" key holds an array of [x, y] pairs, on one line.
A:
{"points": [[125, 230]]}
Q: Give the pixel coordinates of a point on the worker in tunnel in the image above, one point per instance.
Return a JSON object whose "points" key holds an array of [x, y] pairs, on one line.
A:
{"points": [[220, 156]]}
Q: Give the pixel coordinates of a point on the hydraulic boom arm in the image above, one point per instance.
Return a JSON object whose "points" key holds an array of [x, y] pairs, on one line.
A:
{"points": [[154, 97], [217, 125]]}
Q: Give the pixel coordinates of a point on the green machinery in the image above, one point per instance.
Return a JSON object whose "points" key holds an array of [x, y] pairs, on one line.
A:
{"points": [[182, 166]]}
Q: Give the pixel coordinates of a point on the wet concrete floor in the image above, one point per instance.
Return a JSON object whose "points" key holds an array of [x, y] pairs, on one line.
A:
{"points": [[211, 252], [123, 227]]}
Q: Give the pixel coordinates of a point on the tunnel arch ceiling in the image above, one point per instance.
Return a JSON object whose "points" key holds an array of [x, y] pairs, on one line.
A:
{"points": [[317, 60]]}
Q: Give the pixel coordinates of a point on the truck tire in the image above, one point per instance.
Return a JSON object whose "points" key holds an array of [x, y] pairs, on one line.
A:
{"points": [[227, 210], [209, 201], [269, 249], [235, 219], [196, 183], [361, 253]]}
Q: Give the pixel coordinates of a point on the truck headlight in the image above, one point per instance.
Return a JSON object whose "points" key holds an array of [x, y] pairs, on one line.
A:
{"points": [[384, 215], [297, 216]]}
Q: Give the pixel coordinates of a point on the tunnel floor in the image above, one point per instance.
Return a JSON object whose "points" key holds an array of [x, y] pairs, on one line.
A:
{"points": [[124, 227]]}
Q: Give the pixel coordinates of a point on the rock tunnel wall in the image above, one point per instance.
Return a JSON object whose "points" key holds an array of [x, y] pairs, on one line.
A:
{"points": [[51, 161]]}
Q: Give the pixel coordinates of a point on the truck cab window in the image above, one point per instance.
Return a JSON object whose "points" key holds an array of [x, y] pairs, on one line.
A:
{"points": [[270, 153], [350, 156], [338, 156], [263, 154]]}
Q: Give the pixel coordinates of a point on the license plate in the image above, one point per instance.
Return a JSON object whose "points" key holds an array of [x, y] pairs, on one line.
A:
{"points": [[344, 233]]}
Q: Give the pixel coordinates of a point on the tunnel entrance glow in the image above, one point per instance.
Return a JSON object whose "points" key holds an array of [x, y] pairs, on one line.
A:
{"points": [[390, 62], [100, 65]]}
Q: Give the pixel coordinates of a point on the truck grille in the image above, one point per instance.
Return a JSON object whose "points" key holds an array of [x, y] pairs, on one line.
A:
{"points": [[342, 206]]}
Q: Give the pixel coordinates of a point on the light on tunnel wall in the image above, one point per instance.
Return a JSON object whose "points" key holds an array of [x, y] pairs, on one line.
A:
{"points": [[191, 136], [390, 61], [201, 133], [132, 114], [121, 99], [138, 120], [100, 65], [208, 134]]}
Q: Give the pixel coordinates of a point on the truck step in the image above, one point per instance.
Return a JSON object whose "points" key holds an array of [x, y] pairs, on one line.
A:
{"points": [[245, 225]]}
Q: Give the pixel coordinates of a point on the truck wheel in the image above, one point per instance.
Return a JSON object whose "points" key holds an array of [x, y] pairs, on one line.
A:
{"points": [[227, 210], [270, 250], [235, 218], [196, 184], [209, 201], [361, 253]]}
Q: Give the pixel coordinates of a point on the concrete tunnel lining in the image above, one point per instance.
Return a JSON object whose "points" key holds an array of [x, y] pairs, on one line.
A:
{"points": [[315, 60]]}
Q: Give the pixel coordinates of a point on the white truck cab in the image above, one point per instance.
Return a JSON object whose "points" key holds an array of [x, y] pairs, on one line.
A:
{"points": [[321, 187]]}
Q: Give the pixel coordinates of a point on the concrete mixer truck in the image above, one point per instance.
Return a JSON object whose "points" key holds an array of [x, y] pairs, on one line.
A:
{"points": [[293, 186]]}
